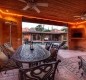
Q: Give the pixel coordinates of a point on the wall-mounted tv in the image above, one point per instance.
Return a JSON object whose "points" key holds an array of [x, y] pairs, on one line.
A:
{"points": [[77, 33]]}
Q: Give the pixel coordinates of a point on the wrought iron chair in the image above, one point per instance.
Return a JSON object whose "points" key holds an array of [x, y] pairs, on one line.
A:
{"points": [[53, 50], [9, 48], [82, 65], [6, 63], [61, 44], [48, 45], [5, 51], [41, 72]]}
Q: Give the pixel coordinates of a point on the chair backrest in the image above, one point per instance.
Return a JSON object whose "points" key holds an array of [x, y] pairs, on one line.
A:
{"points": [[41, 72], [61, 44], [5, 62], [82, 63], [48, 45], [54, 51], [9, 47]]}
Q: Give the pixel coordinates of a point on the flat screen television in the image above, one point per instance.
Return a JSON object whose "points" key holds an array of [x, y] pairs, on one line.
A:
{"points": [[77, 33]]}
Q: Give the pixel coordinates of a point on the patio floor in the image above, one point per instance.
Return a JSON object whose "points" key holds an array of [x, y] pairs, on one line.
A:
{"points": [[68, 68], [70, 53]]}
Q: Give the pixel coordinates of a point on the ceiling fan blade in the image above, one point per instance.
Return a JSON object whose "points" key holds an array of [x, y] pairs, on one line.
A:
{"points": [[34, 7], [26, 7], [23, 1], [42, 4]]}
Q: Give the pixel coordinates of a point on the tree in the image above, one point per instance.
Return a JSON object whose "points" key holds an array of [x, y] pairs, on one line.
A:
{"points": [[39, 28], [64, 29], [47, 30]]}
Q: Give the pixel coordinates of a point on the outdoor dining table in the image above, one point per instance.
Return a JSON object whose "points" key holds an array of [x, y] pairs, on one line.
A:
{"points": [[29, 53]]}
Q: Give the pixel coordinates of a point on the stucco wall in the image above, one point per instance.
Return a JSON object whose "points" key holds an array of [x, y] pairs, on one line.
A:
{"points": [[16, 30]]}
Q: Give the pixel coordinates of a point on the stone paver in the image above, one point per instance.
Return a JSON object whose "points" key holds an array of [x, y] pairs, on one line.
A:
{"points": [[65, 74], [71, 64], [68, 68]]}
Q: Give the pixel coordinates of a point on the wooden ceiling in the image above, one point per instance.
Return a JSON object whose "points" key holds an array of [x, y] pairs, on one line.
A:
{"points": [[57, 10]]}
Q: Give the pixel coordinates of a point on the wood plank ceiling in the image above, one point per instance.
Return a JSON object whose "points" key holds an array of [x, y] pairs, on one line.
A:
{"points": [[60, 10]]}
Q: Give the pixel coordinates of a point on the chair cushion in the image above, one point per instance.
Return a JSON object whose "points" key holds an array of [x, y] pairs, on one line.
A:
{"points": [[37, 72], [3, 57], [53, 52], [11, 49]]}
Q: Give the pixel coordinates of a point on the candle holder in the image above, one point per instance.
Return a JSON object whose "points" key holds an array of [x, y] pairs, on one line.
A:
{"points": [[31, 45]]}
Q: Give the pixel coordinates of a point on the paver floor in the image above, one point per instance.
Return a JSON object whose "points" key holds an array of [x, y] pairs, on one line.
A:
{"points": [[68, 68]]}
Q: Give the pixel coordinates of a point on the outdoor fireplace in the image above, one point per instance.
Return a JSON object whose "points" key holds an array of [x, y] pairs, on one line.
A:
{"points": [[77, 33], [77, 37]]}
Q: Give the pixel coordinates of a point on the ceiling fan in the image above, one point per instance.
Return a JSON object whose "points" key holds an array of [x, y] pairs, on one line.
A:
{"points": [[82, 17], [33, 4]]}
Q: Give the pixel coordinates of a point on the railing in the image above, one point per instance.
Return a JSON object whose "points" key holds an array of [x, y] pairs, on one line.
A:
{"points": [[44, 42]]}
